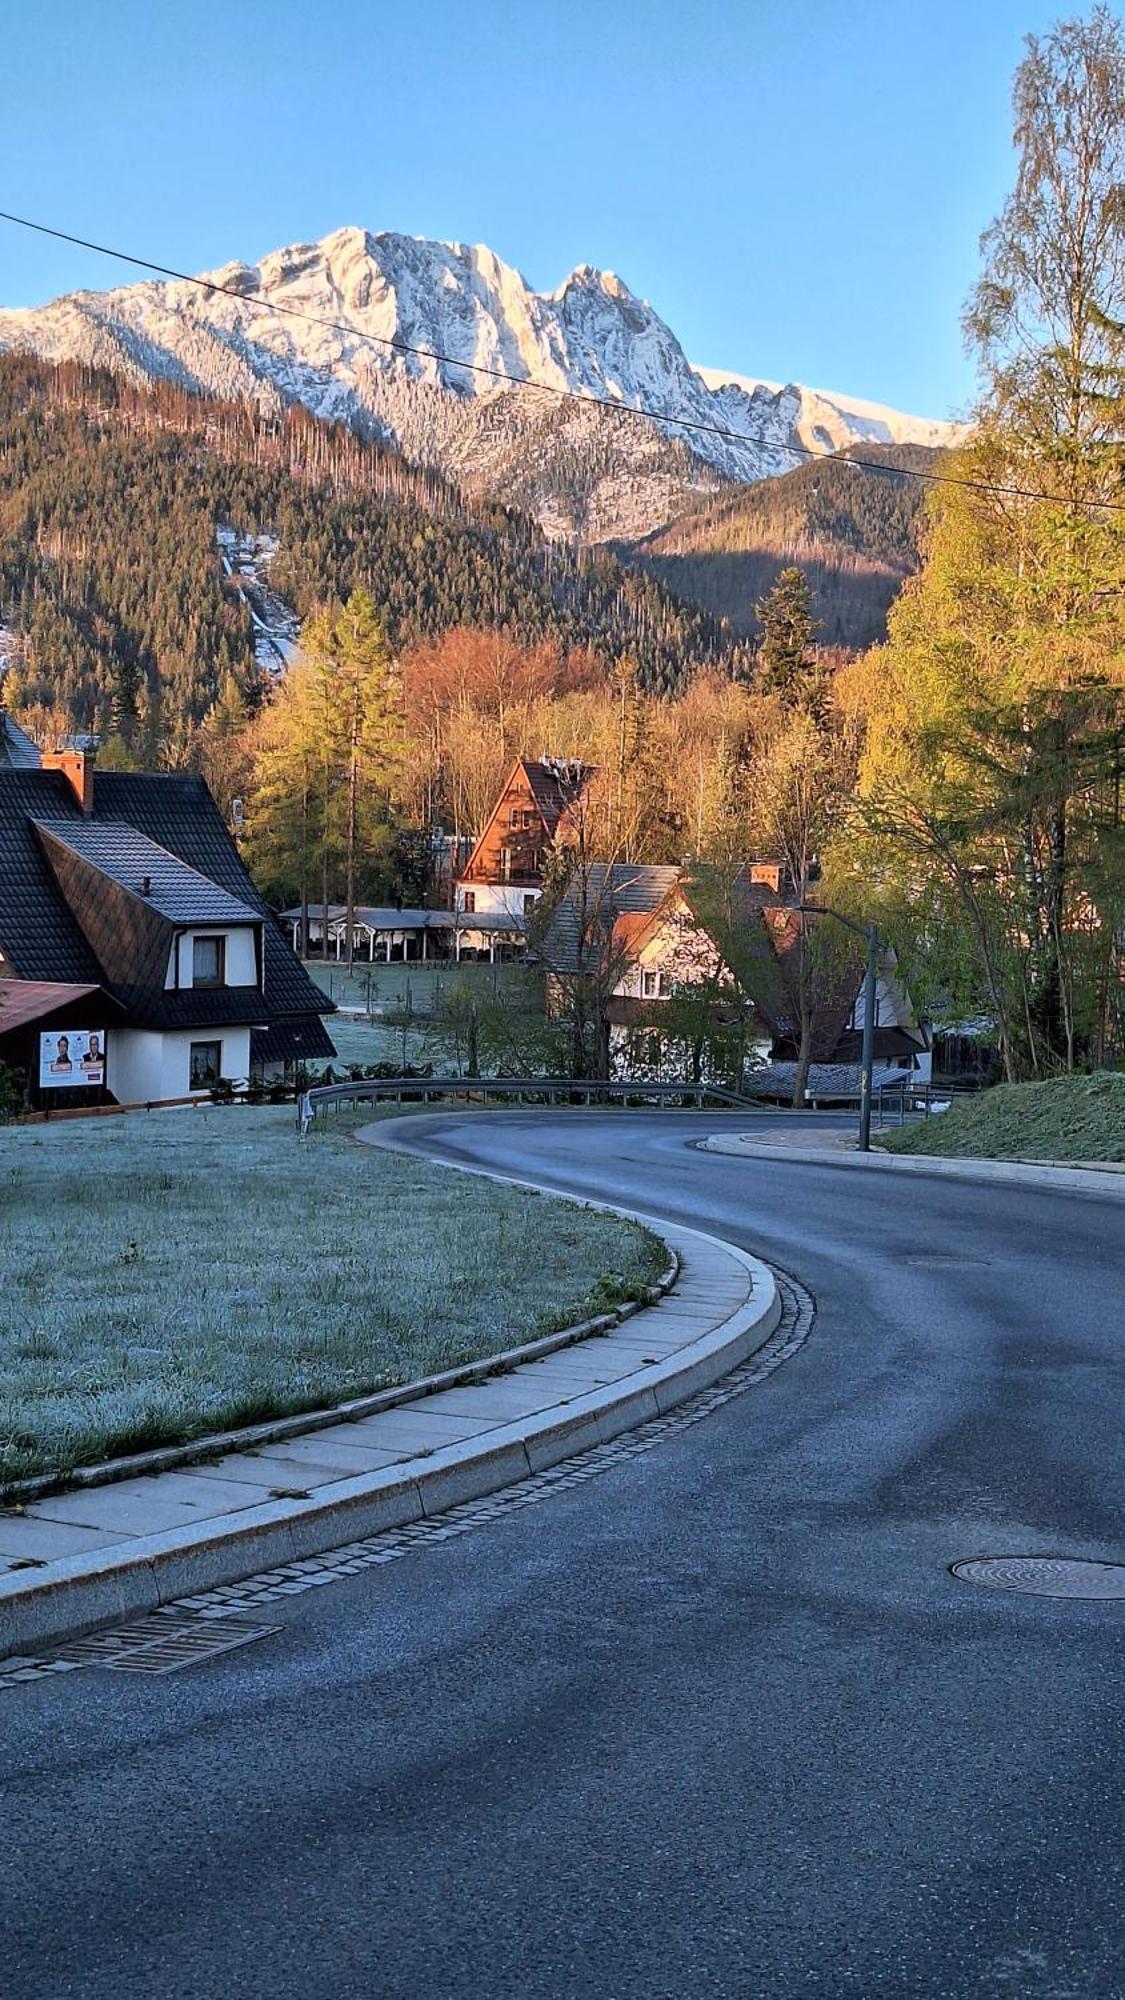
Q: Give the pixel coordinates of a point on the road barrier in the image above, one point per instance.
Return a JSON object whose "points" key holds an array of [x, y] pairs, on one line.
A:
{"points": [[519, 1089]]}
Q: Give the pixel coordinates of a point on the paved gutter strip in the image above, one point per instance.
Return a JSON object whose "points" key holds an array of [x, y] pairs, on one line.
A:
{"points": [[278, 1430], [1081, 1177], [661, 1366]]}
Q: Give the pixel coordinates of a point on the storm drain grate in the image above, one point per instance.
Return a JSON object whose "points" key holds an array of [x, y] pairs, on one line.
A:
{"points": [[155, 1645], [1045, 1576]]}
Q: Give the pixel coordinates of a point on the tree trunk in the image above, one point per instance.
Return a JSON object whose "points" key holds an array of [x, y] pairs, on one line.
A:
{"points": [[804, 1056], [304, 866], [353, 794]]}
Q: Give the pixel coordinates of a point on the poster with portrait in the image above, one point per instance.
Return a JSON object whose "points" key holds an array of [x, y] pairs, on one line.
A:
{"points": [[72, 1059]]}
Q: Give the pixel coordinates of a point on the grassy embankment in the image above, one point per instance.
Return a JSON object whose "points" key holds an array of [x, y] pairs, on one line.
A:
{"points": [[1068, 1118], [166, 1275]]}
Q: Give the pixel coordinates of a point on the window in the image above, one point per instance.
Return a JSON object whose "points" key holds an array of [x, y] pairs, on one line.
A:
{"points": [[208, 961], [654, 986], [205, 1065], [468, 901], [506, 863], [530, 901]]}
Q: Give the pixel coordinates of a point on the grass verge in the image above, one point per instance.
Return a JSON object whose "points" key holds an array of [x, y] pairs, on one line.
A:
{"points": [[1068, 1118], [169, 1274]]}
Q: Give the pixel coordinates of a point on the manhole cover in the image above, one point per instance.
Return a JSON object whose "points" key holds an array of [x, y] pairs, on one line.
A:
{"points": [[1045, 1576]]}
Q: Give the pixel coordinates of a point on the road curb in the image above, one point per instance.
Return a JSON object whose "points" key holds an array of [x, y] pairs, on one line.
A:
{"points": [[1079, 1178], [157, 1570]]}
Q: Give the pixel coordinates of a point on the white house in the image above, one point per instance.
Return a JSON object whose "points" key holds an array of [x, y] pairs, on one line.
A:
{"points": [[129, 886]]}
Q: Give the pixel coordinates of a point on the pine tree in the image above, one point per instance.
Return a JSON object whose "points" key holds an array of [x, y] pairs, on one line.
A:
{"points": [[785, 663]]}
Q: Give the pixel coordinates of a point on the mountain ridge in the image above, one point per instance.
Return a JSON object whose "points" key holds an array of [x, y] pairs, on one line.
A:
{"points": [[593, 473]]}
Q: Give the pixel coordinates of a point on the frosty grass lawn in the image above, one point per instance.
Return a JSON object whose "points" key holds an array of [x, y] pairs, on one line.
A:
{"points": [[164, 1275]]}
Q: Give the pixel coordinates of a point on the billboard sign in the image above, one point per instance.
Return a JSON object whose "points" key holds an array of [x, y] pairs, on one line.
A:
{"points": [[72, 1058]]}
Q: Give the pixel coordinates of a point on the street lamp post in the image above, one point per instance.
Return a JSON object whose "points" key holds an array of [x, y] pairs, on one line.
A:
{"points": [[870, 932]]}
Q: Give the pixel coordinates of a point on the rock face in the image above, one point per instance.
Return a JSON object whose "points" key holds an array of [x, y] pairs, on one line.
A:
{"points": [[580, 469]]}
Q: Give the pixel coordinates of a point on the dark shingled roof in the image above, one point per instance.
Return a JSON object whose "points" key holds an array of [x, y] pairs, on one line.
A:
{"points": [[40, 934], [592, 905], [17, 751], [137, 864], [556, 786]]}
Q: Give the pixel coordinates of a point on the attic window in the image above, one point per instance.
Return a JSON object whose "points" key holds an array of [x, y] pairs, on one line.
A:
{"points": [[208, 961]]}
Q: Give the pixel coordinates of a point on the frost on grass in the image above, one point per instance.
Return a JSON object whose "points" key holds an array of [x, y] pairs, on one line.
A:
{"points": [[165, 1275]]}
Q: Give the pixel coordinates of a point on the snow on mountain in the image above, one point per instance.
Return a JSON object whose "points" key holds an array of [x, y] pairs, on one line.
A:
{"points": [[827, 421], [580, 469]]}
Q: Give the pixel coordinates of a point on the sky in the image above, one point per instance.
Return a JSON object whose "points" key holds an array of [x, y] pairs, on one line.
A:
{"points": [[798, 186]]}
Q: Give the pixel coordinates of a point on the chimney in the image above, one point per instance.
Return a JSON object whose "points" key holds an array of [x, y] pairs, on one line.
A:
{"points": [[78, 766], [767, 874]]}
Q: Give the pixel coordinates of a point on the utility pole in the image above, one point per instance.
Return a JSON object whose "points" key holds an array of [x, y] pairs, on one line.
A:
{"points": [[870, 932], [868, 1059]]}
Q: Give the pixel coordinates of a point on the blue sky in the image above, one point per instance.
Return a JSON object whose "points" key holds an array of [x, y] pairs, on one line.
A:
{"points": [[799, 188]]}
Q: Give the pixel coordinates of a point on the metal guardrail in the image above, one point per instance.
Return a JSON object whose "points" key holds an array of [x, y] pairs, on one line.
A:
{"points": [[533, 1089]]}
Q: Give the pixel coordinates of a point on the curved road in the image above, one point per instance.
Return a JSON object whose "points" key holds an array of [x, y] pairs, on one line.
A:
{"points": [[717, 1722]]}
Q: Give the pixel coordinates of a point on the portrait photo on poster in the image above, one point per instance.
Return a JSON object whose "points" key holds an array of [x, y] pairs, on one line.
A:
{"points": [[72, 1058]]}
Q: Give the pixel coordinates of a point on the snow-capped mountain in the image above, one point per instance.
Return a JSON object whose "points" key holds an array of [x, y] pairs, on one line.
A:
{"points": [[365, 318]]}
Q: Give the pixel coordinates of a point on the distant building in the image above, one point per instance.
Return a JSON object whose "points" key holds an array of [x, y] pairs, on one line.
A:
{"points": [[643, 935], [535, 812], [126, 914]]}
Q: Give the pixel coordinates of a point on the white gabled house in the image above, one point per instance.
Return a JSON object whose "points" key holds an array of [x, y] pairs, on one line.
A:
{"points": [[123, 894], [639, 937]]}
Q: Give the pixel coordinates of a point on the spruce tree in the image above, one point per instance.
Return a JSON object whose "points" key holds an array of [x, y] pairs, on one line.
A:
{"points": [[785, 656]]}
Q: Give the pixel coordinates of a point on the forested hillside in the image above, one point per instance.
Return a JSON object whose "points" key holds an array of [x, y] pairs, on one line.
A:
{"points": [[853, 532], [111, 583]]}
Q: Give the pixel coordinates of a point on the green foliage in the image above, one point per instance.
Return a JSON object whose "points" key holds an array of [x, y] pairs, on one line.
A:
{"points": [[12, 1093], [785, 662], [995, 717], [854, 533], [109, 573]]}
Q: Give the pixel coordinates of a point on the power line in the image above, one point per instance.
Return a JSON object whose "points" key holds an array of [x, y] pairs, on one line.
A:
{"points": [[619, 409]]}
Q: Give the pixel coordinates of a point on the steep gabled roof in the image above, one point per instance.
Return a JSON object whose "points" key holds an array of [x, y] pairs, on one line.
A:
{"points": [[583, 925], [757, 936], [141, 868], [178, 812], [40, 933], [17, 751], [554, 789]]}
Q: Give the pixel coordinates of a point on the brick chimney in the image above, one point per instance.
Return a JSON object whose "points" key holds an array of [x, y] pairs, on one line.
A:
{"points": [[78, 766], [767, 875]]}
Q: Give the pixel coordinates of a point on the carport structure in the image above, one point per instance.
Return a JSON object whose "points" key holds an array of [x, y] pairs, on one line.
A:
{"points": [[395, 936]]}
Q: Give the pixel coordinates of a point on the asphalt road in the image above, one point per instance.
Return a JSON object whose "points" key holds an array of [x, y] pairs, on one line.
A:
{"points": [[717, 1722]]}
